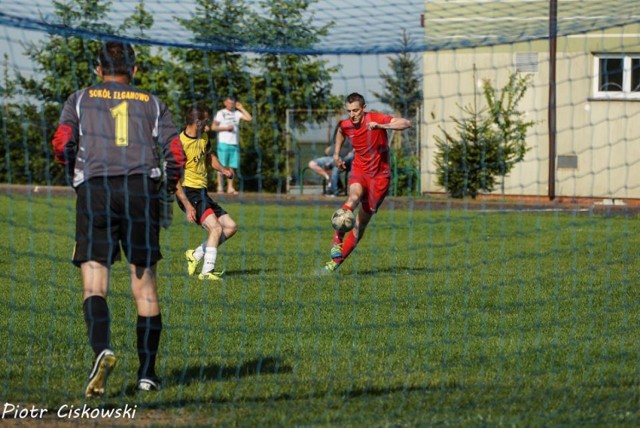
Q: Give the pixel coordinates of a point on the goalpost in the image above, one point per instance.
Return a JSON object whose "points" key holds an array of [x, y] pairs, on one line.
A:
{"points": [[306, 139]]}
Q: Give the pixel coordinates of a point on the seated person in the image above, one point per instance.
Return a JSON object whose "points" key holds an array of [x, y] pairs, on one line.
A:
{"points": [[325, 166]]}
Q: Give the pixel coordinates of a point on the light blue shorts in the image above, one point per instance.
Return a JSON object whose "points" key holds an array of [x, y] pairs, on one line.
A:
{"points": [[229, 155]]}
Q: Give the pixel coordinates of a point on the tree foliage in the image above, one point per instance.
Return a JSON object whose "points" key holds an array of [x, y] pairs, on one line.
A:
{"points": [[402, 91], [268, 83], [285, 82], [61, 65], [216, 70], [154, 71], [488, 142], [403, 86], [24, 160]]}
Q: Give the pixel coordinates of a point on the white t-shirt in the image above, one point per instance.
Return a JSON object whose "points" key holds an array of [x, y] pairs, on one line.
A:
{"points": [[225, 118]]}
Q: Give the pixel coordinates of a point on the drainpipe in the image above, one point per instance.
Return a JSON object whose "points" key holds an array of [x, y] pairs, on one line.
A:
{"points": [[553, 32]]}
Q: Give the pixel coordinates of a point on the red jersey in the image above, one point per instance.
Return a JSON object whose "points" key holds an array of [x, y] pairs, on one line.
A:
{"points": [[371, 146]]}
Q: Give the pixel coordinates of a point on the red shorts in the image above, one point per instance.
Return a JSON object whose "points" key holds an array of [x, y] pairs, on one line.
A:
{"points": [[374, 189], [202, 202]]}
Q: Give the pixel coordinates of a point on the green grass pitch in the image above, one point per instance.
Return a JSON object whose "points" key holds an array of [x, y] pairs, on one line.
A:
{"points": [[449, 318]]}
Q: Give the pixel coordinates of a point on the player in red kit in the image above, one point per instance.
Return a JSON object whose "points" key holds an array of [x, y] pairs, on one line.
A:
{"points": [[370, 175]]}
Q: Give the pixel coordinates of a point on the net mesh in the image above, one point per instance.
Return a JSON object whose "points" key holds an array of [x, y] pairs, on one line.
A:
{"points": [[506, 309], [433, 25]]}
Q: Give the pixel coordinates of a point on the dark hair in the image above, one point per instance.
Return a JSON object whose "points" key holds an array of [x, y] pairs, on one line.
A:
{"points": [[194, 114], [353, 97], [117, 59]]}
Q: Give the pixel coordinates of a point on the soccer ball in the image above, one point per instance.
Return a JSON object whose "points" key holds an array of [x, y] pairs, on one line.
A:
{"points": [[343, 220]]}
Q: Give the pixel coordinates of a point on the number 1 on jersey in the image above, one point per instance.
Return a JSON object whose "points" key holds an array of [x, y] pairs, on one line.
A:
{"points": [[121, 114]]}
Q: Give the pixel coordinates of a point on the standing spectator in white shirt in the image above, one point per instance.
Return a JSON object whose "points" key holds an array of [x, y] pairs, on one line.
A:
{"points": [[227, 124]]}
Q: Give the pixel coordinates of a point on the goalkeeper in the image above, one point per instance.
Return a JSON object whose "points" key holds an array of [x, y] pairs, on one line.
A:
{"points": [[370, 175], [194, 199], [107, 138]]}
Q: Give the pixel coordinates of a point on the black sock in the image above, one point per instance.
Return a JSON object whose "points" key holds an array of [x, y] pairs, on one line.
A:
{"points": [[148, 331], [96, 315]]}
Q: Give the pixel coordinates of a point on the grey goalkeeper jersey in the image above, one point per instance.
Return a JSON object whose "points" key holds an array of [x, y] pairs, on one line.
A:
{"points": [[114, 129]]}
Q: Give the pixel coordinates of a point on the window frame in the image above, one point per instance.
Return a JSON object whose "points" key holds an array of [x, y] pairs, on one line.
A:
{"points": [[626, 93]]}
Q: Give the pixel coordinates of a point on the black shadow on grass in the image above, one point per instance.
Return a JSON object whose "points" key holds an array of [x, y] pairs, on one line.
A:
{"points": [[398, 270], [241, 272], [213, 372], [348, 394]]}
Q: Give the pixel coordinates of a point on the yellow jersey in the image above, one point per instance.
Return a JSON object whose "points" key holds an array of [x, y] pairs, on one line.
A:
{"points": [[195, 170]]}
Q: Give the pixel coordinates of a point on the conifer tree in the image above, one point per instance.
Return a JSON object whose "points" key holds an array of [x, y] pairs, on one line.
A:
{"points": [[488, 141], [285, 78], [402, 91]]}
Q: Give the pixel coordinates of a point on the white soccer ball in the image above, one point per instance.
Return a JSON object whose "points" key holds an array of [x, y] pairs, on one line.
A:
{"points": [[343, 220]]}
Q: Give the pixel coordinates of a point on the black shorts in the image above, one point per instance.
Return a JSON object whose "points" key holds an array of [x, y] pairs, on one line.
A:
{"points": [[201, 201], [115, 211]]}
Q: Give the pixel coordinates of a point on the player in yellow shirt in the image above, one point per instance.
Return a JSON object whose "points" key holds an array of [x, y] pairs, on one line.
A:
{"points": [[194, 199]]}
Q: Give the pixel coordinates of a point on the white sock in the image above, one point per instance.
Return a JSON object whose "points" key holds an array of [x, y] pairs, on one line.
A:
{"points": [[209, 259], [198, 253]]}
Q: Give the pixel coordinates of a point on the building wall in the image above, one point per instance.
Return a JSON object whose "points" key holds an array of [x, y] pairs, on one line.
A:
{"points": [[602, 135]]}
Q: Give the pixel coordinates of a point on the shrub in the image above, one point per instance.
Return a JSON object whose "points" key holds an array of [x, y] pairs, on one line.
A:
{"points": [[488, 141]]}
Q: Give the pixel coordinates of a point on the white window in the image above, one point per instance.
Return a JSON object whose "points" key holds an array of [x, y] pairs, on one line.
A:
{"points": [[616, 76]]}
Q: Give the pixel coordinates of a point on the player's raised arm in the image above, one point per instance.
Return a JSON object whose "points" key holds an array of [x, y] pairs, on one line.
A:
{"points": [[396, 124], [399, 123]]}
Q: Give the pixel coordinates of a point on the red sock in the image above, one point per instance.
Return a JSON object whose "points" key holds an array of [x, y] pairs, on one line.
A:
{"points": [[350, 243], [347, 207]]}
